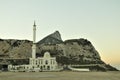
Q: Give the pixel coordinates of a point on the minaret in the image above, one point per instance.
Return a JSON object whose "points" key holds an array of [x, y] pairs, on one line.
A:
{"points": [[34, 41]]}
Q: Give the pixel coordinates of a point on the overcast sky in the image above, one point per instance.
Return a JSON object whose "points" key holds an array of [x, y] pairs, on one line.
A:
{"points": [[95, 20]]}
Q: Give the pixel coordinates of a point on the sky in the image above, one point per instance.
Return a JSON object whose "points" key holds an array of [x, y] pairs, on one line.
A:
{"points": [[95, 20]]}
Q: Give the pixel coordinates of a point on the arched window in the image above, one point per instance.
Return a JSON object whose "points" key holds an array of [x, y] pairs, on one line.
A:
{"points": [[33, 67], [46, 62]]}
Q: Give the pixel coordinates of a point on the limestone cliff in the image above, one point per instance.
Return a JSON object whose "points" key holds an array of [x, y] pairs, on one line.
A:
{"points": [[74, 51], [54, 38], [15, 48]]}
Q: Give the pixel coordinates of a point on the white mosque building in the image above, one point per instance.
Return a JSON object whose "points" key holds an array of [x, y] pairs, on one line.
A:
{"points": [[45, 63]]}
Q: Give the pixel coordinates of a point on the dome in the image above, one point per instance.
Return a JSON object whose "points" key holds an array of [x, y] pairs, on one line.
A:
{"points": [[47, 54]]}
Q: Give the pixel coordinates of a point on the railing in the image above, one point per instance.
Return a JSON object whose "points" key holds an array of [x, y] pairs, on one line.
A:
{"points": [[88, 65], [14, 58]]}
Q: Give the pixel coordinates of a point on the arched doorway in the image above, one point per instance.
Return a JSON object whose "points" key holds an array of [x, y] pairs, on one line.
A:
{"points": [[48, 67]]}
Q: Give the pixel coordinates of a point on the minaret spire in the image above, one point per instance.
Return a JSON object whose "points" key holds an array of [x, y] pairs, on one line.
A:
{"points": [[34, 41], [34, 33], [34, 24]]}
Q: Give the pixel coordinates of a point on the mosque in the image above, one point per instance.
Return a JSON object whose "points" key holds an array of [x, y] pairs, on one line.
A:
{"points": [[45, 63]]}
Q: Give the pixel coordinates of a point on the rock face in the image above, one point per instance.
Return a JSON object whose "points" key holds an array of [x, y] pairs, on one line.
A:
{"points": [[15, 48], [54, 38], [74, 51]]}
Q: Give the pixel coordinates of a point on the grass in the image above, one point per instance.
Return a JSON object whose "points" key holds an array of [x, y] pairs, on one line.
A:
{"points": [[60, 75]]}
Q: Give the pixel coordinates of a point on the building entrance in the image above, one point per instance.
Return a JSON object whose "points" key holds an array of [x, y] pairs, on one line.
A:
{"points": [[4, 67]]}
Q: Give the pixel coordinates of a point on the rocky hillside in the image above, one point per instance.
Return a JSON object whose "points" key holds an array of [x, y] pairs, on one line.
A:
{"points": [[15, 48], [74, 51], [54, 38]]}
